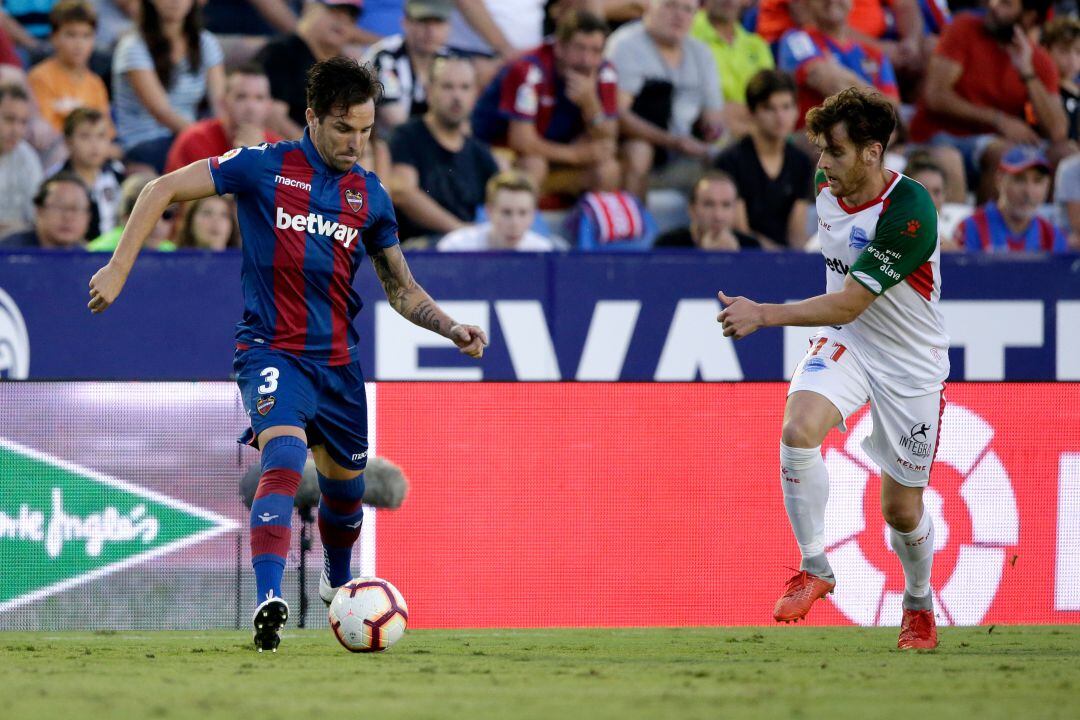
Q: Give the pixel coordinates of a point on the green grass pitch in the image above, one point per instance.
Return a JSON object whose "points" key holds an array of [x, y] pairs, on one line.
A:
{"points": [[835, 673]]}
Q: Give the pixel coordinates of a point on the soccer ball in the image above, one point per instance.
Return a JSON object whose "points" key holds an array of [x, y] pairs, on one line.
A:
{"points": [[368, 615]]}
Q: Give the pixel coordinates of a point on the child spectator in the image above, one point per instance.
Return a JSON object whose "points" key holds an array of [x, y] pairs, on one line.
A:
{"points": [[1061, 38], [20, 169], [86, 135], [511, 211], [64, 81], [159, 236], [209, 224]]}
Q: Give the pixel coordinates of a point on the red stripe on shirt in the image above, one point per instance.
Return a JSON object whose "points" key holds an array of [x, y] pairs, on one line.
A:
{"points": [[344, 257], [922, 280], [1046, 234], [290, 302], [634, 230], [982, 229], [608, 222]]}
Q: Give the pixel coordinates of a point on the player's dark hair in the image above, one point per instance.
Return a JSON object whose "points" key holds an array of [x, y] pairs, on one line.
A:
{"points": [[579, 21], [866, 114], [712, 176], [341, 82], [766, 83], [68, 12], [80, 116], [160, 47], [63, 176], [1061, 31], [13, 90]]}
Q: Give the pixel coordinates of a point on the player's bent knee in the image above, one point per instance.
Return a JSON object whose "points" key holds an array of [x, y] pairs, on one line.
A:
{"points": [[331, 469], [900, 515], [798, 433]]}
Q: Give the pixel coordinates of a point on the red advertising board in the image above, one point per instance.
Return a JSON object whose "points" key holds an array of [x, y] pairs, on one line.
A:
{"points": [[577, 504]]}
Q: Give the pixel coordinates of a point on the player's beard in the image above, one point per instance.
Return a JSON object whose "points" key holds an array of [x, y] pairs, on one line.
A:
{"points": [[851, 181], [1002, 32]]}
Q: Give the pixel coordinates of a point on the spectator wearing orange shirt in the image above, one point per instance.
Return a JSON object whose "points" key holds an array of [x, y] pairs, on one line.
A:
{"points": [[65, 82]]}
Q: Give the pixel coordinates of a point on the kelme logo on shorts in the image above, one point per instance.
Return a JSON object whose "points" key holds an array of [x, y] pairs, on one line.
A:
{"points": [[62, 525]]}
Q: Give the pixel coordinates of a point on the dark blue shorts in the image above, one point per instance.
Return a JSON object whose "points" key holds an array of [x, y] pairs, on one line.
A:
{"points": [[328, 402]]}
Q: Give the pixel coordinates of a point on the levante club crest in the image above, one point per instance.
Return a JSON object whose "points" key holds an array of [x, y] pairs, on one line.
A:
{"points": [[355, 200]]}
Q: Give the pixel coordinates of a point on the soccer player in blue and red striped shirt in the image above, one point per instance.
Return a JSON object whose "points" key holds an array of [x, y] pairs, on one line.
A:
{"points": [[308, 214]]}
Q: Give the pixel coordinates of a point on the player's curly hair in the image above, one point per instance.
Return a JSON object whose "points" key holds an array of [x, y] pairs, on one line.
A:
{"points": [[341, 82], [866, 114]]}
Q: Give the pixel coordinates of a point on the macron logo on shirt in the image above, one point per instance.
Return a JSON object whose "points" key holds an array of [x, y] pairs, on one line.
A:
{"points": [[289, 182], [317, 225]]}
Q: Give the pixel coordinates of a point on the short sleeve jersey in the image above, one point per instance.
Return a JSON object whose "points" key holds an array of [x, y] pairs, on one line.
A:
{"points": [[529, 89], [305, 230], [988, 79], [800, 49], [696, 87], [890, 246]]}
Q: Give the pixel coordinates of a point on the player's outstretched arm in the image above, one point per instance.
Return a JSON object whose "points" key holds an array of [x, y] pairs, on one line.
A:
{"points": [[415, 305], [187, 183], [742, 316]]}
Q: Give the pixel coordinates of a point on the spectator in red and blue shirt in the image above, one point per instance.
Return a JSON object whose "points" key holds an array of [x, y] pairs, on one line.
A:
{"points": [[556, 107], [826, 58], [1010, 224]]}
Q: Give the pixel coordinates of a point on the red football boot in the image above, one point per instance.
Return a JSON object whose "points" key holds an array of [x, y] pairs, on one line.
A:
{"points": [[799, 594], [918, 631]]}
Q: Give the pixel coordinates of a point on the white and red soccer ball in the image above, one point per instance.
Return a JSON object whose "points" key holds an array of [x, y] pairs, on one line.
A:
{"points": [[368, 615]]}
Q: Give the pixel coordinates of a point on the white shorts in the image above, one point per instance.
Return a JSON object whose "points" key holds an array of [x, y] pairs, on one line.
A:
{"points": [[904, 440]]}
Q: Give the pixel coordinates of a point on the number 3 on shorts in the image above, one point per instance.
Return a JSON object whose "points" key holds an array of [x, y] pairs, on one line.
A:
{"points": [[270, 374]]}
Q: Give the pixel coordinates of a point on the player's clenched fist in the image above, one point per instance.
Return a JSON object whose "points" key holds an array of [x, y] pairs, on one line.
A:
{"points": [[741, 316], [471, 339], [105, 287]]}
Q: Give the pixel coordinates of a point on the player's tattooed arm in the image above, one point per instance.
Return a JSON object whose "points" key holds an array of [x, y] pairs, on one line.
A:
{"points": [[414, 304]]}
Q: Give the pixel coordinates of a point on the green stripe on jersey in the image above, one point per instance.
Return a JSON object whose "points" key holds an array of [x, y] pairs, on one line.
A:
{"points": [[906, 238]]}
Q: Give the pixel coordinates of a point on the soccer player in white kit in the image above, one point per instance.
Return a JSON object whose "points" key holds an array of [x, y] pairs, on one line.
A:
{"points": [[882, 341]]}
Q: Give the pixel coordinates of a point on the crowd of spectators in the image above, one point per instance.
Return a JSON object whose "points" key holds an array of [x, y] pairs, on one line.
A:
{"points": [[546, 125]]}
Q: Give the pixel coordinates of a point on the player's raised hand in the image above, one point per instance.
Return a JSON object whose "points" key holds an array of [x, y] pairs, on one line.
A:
{"points": [[470, 339], [105, 287], [741, 317]]}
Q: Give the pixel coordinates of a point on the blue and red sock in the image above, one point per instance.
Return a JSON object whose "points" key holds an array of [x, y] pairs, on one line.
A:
{"points": [[341, 515], [283, 461]]}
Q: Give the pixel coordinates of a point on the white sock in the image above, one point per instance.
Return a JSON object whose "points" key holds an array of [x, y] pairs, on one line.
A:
{"points": [[806, 490], [916, 551]]}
